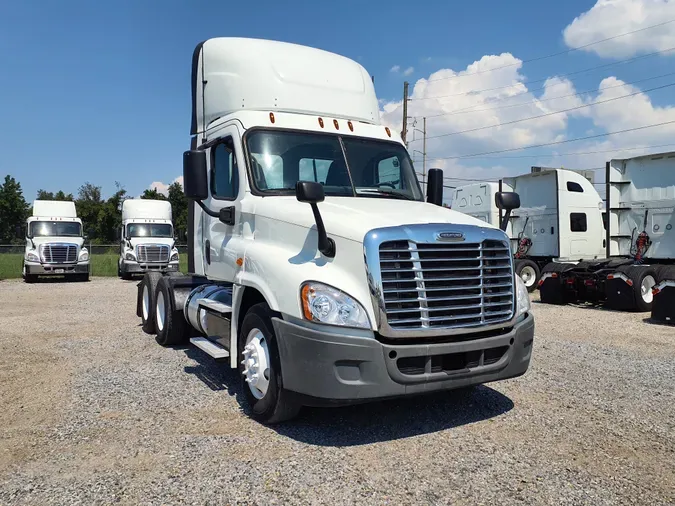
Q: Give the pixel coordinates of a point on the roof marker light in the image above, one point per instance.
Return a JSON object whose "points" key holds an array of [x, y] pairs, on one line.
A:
{"points": [[335, 123], [350, 125], [272, 117], [386, 129], [321, 122]]}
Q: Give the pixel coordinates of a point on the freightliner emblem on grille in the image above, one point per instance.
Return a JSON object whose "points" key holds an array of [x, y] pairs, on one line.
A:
{"points": [[450, 236]]}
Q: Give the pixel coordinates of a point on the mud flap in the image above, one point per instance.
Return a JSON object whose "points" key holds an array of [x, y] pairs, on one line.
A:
{"points": [[663, 308], [619, 295]]}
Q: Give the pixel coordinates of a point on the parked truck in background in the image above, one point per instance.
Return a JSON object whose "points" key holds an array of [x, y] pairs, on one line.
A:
{"points": [[559, 219], [147, 241], [317, 269], [639, 242], [54, 243]]}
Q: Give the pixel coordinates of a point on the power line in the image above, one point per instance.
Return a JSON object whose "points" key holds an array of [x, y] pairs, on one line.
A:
{"points": [[606, 134], [589, 69], [567, 51], [552, 155], [579, 93], [583, 106]]}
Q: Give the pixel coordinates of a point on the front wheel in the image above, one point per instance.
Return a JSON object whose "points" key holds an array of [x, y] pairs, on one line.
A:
{"points": [[260, 368]]}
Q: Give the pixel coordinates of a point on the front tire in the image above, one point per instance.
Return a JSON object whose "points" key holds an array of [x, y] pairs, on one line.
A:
{"points": [[529, 272], [260, 368]]}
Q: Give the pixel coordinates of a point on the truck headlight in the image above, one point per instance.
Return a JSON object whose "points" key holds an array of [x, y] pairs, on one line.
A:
{"points": [[130, 256], [174, 257], [522, 297], [32, 257], [325, 304], [84, 255]]}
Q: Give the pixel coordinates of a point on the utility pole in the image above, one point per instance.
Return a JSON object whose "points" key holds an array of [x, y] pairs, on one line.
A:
{"points": [[404, 132]]}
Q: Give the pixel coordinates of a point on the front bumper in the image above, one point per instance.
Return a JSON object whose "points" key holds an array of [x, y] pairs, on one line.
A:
{"points": [[56, 269], [327, 368], [132, 267]]}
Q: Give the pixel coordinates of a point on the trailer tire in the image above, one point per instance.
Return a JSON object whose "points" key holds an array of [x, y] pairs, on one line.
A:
{"points": [[271, 404], [147, 300], [169, 322], [529, 272], [643, 278]]}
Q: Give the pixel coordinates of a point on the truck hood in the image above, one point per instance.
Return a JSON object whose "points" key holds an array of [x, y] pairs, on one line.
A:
{"points": [[353, 217], [52, 239]]}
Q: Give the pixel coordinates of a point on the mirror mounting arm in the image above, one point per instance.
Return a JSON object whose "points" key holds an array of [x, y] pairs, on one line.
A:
{"points": [[326, 244]]}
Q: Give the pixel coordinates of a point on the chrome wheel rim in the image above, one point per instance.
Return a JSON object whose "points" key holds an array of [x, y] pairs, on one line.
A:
{"points": [[646, 286], [146, 302], [528, 275], [161, 307], [256, 363]]}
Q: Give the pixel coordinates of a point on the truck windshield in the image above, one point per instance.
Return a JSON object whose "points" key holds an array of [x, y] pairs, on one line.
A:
{"points": [[54, 229], [149, 230], [365, 168]]}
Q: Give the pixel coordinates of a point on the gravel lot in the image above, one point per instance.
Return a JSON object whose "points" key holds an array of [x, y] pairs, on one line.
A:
{"points": [[93, 411]]}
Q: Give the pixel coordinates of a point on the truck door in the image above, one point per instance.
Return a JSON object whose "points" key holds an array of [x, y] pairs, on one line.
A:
{"points": [[222, 243]]}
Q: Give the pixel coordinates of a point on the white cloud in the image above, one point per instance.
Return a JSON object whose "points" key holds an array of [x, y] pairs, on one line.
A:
{"points": [[608, 18], [408, 71], [395, 69], [163, 188]]}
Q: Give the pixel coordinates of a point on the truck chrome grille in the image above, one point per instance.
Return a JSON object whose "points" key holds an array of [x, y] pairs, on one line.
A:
{"points": [[446, 285], [152, 253], [58, 253]]}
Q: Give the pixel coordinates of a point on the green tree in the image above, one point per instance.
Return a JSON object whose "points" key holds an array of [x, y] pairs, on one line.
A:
{"points": [[179, 208], [89, 205], [59, 195], [110, 216], [153, 194], [13, 209]]}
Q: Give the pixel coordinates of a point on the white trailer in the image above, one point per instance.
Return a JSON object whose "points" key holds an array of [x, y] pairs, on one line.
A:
{"points": [[559, 219], [639, 239], [54, 242], [317, 268], [147, 240]]}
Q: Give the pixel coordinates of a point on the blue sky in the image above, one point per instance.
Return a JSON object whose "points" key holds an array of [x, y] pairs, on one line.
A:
{"points": [[100, 91]]}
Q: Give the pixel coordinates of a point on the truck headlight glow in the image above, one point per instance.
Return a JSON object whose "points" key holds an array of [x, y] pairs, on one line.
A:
{"points": [[32, 257], [130, 256], [84, 255], [522, 297], [325, 304]]}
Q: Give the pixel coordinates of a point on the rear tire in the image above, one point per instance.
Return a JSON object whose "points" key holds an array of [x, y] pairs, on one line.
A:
{"points": [[643, 278], [268, 400], [529, 272], [169, 321], [147, 294]]}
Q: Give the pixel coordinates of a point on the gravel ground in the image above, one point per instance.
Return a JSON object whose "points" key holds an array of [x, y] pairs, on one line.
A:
{"points": [[95, 412]]}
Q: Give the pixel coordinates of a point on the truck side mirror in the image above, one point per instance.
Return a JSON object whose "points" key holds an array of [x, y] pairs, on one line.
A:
{"points": [[506, 201], [435, 187], [312, 193], [195, 182]]}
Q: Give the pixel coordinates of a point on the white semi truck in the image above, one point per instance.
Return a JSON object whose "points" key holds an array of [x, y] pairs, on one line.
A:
{"points": [[559, 219], [147, 240], [639, 241], [54, 243], [317, 268]]}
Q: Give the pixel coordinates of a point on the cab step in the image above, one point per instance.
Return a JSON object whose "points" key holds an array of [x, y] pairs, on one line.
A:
{"points": [[209, 347]]}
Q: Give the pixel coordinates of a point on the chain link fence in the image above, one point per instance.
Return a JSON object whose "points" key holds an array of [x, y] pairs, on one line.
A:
{"points": [[103, 259]]}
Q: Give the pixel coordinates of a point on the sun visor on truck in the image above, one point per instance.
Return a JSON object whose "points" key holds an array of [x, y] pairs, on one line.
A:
{"points": [[233, 74]]}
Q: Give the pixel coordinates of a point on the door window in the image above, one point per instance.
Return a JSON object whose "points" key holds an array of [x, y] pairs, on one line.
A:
{"points": [[224, 175]]}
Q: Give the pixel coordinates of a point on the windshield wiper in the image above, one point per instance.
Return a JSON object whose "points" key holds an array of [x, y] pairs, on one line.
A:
{"points": [[387, 192]]}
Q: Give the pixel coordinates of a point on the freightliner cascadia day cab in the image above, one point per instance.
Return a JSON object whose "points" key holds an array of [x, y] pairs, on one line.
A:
{"points": [[317, 268], [54, 242], [559, 219], [638, 273], [146, 239]]}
